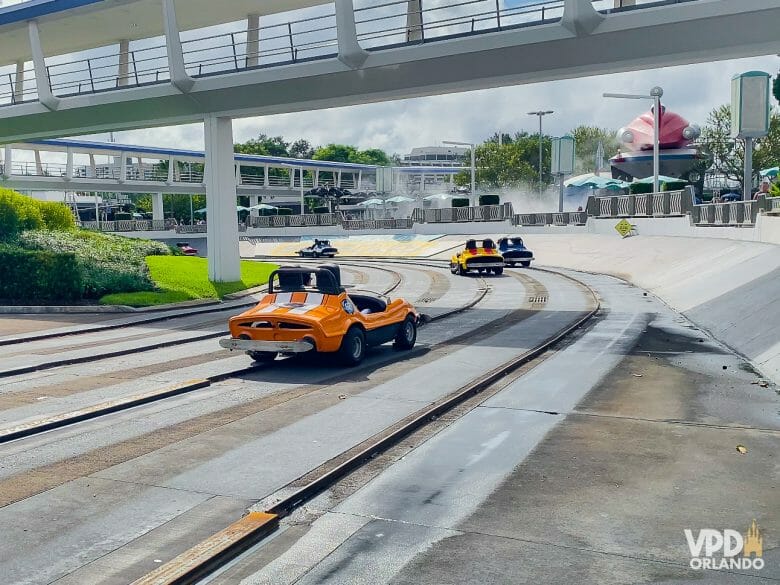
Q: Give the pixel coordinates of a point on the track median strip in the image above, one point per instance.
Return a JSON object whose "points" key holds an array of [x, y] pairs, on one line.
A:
{"points": [[38, 426]]}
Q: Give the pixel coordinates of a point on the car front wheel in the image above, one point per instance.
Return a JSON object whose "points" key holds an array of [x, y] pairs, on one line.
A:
{"points": [[262, 357], [526, 264], [498, 271]]}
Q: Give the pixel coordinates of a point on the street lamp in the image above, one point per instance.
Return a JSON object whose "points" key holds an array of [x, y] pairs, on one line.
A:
{"points": [[294, 167], [655, 94], [473, 164], [541, 114]]}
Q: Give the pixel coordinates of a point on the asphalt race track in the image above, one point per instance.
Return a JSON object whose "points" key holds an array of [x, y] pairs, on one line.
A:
{"points": [[124, 445]]}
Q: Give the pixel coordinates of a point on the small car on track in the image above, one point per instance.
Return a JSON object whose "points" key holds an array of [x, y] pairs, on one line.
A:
{"points": [[319, 249], [308, 310], [477, 255], [514, 251], [186, 249]]}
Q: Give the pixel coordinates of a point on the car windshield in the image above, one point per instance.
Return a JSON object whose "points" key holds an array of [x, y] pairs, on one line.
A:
{"points": [[515, 241], [297, 282]]}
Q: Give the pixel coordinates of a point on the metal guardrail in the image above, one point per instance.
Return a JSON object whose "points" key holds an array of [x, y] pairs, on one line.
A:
{"points": [[280, 221]]}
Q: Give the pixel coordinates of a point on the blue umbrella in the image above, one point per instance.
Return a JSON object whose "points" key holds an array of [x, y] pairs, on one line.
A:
{"points": [[772, 173]]}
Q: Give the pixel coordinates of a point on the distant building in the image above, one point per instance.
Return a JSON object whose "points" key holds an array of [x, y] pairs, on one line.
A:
{"points": [[436, 156]]}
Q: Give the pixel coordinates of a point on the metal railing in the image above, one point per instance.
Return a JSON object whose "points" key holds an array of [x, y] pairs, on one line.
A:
{"points": [[380, 25], [464, 214]]}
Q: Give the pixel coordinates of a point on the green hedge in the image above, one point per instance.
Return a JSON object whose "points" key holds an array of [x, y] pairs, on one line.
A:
{"points": [[39, 275], [19, 213], [285, 211], [460, 202], [321, 210], [489, 200], [640, 188], [674, 186]]}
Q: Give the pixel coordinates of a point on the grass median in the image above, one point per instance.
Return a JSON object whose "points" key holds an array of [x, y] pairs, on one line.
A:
{"points": [[185, 278]]}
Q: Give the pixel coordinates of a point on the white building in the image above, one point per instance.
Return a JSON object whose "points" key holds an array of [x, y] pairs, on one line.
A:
{"points": [[436, 156]]}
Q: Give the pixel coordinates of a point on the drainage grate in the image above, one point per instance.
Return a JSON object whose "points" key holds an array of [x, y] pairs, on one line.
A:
{"points": [[537, 300]]}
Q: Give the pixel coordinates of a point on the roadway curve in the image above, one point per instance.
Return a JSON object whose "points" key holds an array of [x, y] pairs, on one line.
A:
{"points": [[124, 491]]}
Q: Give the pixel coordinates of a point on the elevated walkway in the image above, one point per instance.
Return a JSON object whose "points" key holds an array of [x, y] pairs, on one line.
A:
{"points": [[150, 63]]}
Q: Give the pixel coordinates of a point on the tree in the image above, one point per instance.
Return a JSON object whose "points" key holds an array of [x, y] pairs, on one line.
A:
{"points": [[777, 87], [728, 154], [350, 154], [264, 145], [510, 164], [301, 148], [586, 141]]}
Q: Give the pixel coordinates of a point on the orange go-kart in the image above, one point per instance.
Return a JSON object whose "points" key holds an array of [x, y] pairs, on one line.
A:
{"points": [[307, 309]]}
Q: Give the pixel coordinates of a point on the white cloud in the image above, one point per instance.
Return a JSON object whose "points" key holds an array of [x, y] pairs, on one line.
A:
{"points": [[692, 91]]}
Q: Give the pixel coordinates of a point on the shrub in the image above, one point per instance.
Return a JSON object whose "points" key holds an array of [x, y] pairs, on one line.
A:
{"points": [[640, 188], [19, 213], [321, 210], [460, 202], [120, 216], [39, 275], [489, 200], [285, 211], [674, 186], [774, 191]]}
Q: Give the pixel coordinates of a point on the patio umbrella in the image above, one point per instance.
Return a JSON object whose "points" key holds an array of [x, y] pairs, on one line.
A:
{"points": [[441, 196], [263, 206], [200, 210], [400, 199], [594, 182], [773, 172], [370, 202], [661, 179]]}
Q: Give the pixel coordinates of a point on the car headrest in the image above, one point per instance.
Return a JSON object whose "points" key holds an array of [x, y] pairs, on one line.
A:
{"points": [[335, 271]]}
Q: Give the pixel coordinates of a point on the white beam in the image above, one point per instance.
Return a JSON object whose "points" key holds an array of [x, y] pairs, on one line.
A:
{"points": [[580, 17], [350, 51], [19, 82], [123, 167], [171, 169], [69, 165], [124, 63], [414, 21], [42, 81], [8, 161], [38, 163], [179, 77], [222, 235], [157, 207], [253, 40]]}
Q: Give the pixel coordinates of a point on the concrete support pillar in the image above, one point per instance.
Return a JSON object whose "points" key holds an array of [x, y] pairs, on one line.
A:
{"points": [[123, 167], [157, 207], [8, 161], [124, 64], [42, 81], [179, 77], [253, 40], [92, 166], [580, 17], [254, 200], [171, 170], [350, 51], [338, 179], [38, 163], [266, 180], [414, 22], [222, 237], [19, 82], [422, 182], [360, 180], [317, 178], [69, 165]]}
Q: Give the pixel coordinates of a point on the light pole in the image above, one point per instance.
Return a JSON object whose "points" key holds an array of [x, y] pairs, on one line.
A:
{"points": [[655, 94], [473, 165], [293, 167], [541, 114]]}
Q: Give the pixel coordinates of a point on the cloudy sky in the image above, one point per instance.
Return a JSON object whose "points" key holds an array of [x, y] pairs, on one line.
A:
{"points": [[397, 126]]}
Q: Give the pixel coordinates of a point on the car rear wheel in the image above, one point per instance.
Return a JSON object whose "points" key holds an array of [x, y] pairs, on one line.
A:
{"points": [[498, 271], [407, 334], [526, 263], [263, 357], [462, 271], [353, 347]]}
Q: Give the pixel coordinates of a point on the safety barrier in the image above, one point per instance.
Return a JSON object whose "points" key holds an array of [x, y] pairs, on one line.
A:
{"points": [[279, 221], [735, 213], [377, 224], [463, 214], [774, 204]]}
